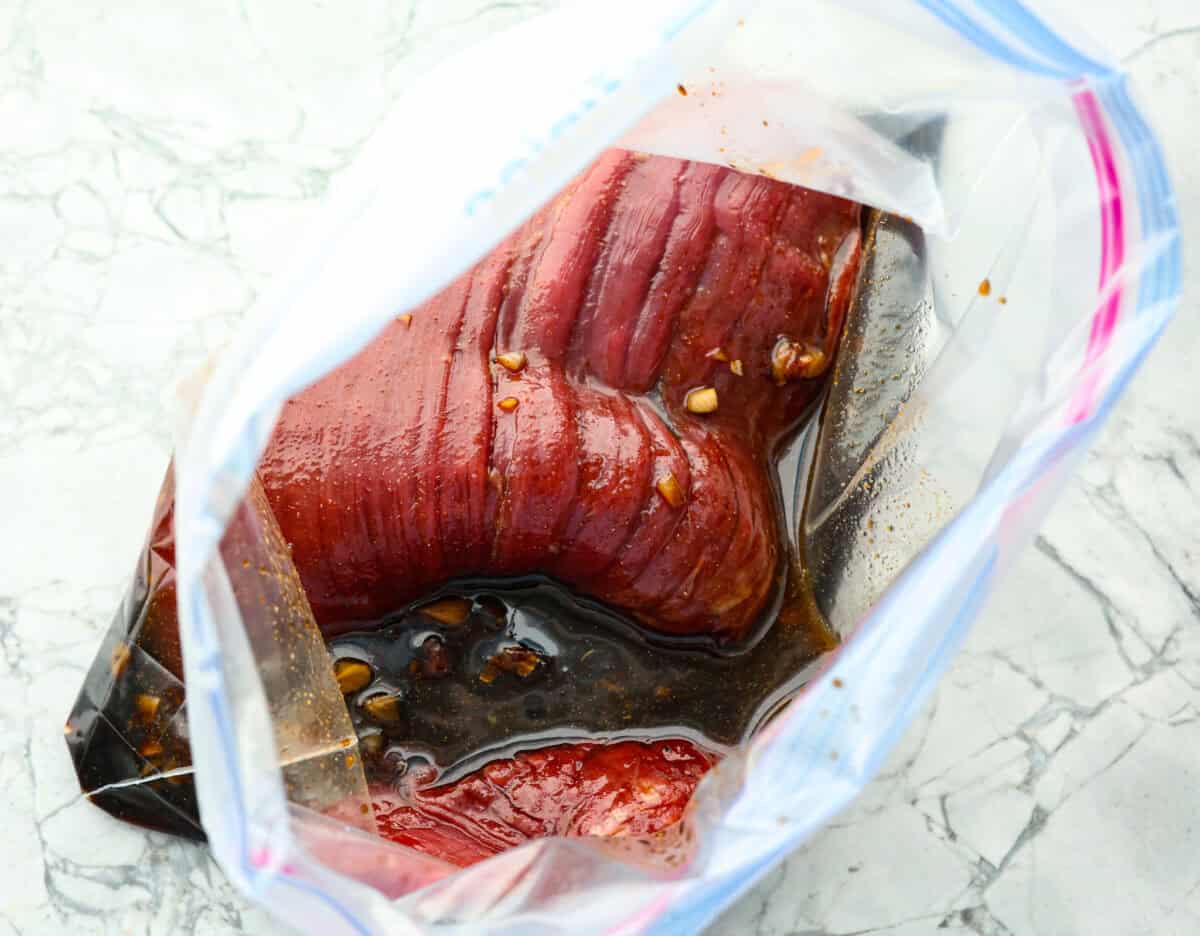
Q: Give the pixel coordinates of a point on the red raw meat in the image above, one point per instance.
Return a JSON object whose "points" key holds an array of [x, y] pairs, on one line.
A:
{"points": [[534, 417], [425, 458], [625, 788]]}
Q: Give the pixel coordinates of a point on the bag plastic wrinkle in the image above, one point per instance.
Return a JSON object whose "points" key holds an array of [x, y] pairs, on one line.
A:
{"points": [[1031, 260]]}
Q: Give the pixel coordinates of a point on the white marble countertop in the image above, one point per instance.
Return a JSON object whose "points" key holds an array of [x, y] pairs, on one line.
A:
{"points": [[156, 159]]}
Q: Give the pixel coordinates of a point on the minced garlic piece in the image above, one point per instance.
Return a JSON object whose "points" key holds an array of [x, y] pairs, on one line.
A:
{"points": [[352, 675], [512, 360], [670, 490], [701, 400], [448, 611]]}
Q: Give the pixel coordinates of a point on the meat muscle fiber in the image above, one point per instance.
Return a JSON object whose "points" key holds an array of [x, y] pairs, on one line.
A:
{"points": [[616, 789], [534, 415]]}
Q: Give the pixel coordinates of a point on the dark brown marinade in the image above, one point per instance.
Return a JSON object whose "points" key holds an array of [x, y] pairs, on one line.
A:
{"points": [[530, 664], [127, 732]]}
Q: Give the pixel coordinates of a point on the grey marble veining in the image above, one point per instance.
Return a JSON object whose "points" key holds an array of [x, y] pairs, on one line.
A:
{"points": [[155, 161]]}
